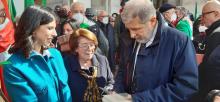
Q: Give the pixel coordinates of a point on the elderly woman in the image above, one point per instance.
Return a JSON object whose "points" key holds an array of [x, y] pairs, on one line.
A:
{"points": [[89, 72], [37, 72], [68, 27], [184, 23]]}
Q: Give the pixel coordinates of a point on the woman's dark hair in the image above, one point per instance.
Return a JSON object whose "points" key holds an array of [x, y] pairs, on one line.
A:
{"points": [[72, 22], [31, 19]]}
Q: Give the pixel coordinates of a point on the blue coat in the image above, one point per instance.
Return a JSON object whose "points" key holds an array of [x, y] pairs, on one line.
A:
{"points": [[37, 78], [166, 71], [78, 83]]}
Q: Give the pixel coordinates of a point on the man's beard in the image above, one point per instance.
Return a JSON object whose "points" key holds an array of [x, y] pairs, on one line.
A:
{"points": [[147, 37]]}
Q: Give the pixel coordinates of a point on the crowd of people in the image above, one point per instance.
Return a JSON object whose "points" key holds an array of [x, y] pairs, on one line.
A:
{"points": [[78, 54]]}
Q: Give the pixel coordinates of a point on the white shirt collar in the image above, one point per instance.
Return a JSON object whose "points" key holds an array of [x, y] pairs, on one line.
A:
{"points": [[45, 53], [153, 36]]}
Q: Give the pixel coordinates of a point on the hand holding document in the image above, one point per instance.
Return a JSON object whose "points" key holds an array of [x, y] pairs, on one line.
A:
{"points": [[117, 97]]}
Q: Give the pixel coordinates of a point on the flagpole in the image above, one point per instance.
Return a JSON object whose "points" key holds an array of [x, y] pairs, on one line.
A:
{"points": [[196, 9]]}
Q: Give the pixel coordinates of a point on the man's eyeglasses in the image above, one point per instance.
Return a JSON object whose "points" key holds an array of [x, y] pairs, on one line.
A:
{"points": [[205, 13]]}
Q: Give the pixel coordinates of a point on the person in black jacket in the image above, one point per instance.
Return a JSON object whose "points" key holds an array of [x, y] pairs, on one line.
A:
{"points": [[108, 30], [209, 69]]}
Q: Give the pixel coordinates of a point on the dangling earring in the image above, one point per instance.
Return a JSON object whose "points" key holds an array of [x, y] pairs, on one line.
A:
{"points": [[30, 38]]}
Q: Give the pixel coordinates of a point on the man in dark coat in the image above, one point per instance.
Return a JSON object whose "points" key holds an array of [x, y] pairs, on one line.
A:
{"points": [[209, 69], [108, 30], [162, 65]]}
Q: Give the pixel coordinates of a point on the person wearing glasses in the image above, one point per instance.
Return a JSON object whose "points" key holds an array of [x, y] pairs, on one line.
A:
{"points": [[162, 64], [209, 69], [90, 76], [78, 13]]}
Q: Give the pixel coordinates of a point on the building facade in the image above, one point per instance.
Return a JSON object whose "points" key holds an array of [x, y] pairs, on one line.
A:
{"points": [[113, 6]]}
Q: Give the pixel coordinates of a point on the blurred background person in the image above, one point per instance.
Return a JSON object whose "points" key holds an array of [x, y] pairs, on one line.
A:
{"points": [[184, 23], [68, 27], [78, 13], [107, 28], [62, 14], [209, 69], [90, 14], [112, 18], [89, 73], [36, 72], [199, 39], [169, 15]]}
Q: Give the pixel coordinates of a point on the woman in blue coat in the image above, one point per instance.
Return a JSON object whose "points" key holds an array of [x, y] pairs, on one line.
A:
{"points": [[89, 73], [36, 72]]}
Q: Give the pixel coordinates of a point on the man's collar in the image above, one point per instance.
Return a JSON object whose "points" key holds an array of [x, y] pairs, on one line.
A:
{"points": [[213, 27]]}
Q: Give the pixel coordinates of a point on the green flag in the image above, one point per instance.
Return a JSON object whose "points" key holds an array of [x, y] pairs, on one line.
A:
{"points": [[12, 9], [84, 25], [5, 62], [44, 3], [195, 15], [28, 3]]}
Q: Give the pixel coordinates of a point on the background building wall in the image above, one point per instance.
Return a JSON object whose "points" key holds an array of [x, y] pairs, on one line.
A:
{"points": [[112, 6]]}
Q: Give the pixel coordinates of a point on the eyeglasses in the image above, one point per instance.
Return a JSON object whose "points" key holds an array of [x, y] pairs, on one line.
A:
{"points": [[86, 45], [205, 13]]}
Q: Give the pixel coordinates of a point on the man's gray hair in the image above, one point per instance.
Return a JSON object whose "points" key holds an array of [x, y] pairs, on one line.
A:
{"points": [[76, 3], [144, 9]]}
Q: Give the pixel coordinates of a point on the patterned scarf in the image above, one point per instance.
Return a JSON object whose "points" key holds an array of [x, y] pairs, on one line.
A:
{"points": [[91, 93]]}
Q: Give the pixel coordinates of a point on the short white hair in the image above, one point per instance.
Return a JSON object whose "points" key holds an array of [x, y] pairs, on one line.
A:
{"points": [[144, 9], [77, 3]]}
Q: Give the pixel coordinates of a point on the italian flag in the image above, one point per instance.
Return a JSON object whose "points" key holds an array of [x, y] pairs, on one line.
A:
{"points": [[6, 36], [10, 9]]}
